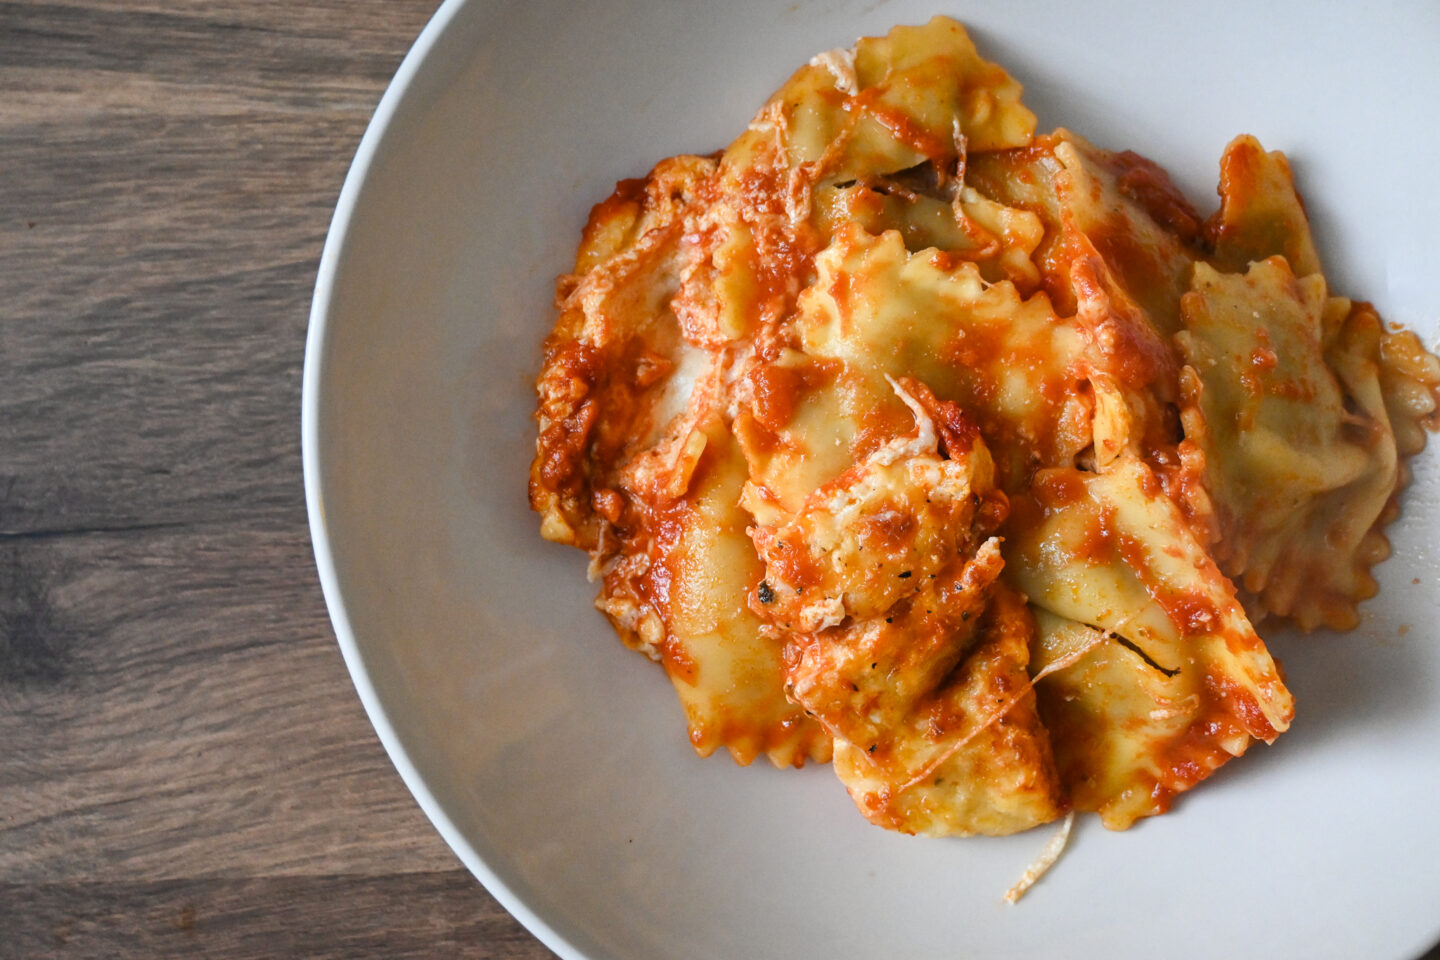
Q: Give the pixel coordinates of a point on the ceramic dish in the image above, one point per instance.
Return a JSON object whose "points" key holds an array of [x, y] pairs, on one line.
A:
{"points": [[553, 761]]}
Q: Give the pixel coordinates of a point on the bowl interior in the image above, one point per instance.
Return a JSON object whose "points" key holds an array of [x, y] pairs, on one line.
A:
{"points": [[554, 761]]}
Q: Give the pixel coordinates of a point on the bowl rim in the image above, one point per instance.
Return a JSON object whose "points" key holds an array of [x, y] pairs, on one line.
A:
{"points": [[321, 317], [398, 95]]}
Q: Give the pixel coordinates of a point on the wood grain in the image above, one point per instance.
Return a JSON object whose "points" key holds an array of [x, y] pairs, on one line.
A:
{"points": [[426, 916], [185, 769], [168, 180], [189, 716]]}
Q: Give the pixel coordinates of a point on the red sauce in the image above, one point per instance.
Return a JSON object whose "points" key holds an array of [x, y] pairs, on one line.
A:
{"points": [[877, 422], [678, 663], [623, 205], [901, 126], [1194, 754], [1060, 488], [650, 368], [609, 504], [1243, 705], [1026, 513], [1192, 612], [1132, 350], [663, 529], [1097, 546], [891, 530], [788, 559], [1239, 174], [1263, 357], [754, 437], [776, 390], [958, 432], [562, 450], [1150, 186], [1301, 391]]}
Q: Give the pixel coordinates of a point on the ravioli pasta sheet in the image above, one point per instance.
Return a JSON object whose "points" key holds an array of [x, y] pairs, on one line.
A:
{"points": [[965, 458]]}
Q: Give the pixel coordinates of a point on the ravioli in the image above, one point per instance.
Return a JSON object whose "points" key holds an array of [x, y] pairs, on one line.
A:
{"points": [[1008, 361], [971, 757], [1297, 466], [1110, 551], [963, 458]]}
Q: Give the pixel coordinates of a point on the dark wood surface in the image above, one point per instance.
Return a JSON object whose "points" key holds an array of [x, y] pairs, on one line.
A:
{"points": [[185, 770]]}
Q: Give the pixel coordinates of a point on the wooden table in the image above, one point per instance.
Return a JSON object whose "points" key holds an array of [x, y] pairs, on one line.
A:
{"points": [[185, 770]]}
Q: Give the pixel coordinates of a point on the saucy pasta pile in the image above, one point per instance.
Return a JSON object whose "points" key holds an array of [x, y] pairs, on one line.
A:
{"points": [[964, 458]]}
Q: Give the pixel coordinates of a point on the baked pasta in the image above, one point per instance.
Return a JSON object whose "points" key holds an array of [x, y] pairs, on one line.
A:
{"points": [[964, 458]]}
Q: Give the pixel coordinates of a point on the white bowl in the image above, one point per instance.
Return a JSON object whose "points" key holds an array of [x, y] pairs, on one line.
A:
{"points": [[554, 762]]}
